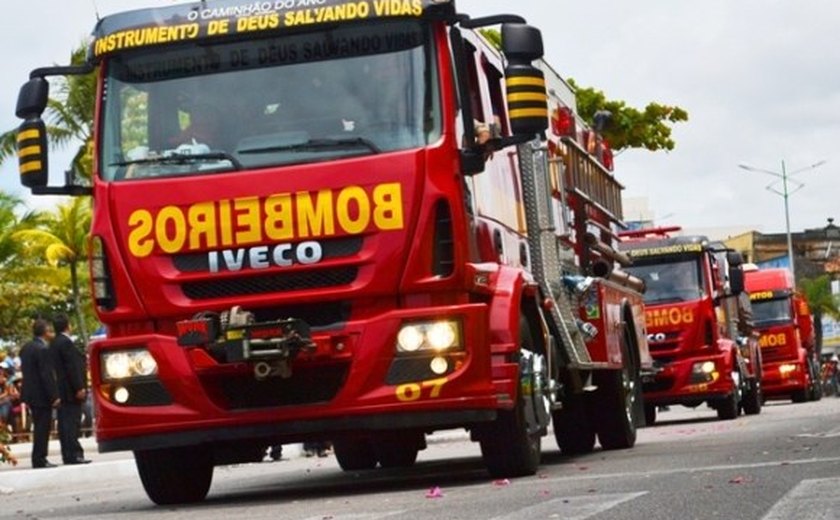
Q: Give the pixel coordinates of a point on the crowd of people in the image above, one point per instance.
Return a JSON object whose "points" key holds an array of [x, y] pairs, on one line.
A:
{"points": [[46, 383]]}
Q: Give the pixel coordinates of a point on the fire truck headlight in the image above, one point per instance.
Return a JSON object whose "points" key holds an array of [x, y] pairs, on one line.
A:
{"points": [[703, 372], [429, 335], [124, 364], [787, 368], [410, 338], [707, 367], [144, 364], [441, 335]]}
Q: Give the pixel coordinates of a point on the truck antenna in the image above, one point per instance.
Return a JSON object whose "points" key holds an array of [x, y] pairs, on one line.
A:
{"points": [[95, 9]]}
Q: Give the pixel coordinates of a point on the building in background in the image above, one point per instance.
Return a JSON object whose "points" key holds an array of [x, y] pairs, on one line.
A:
{"points": [[816, 251]]}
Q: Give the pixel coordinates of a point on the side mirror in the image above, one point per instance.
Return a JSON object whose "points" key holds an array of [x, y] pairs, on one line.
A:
{"points": [[32, 99], [736, 280], [32, 153], [526, 92], [734, 259]]}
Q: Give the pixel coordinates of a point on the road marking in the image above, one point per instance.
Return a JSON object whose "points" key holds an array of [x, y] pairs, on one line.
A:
{"points": [[811, 499], [696, 469], [834, 432], [572, 508], [357, 516]]}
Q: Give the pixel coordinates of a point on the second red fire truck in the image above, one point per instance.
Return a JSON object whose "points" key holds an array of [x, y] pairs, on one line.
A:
{"points": [[691, 304]]}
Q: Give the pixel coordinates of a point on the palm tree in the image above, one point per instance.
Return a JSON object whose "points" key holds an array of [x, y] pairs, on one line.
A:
{"points": [[69, 117], [62, 238], [27, 287], [821, 301]]}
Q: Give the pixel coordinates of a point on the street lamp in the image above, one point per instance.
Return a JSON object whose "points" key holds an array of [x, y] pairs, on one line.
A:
{"points": [[785, 193]]}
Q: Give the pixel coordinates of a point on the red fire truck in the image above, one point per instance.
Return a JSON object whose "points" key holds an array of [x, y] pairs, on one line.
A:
{"points": [[789, 362], [691, 306], [392, 228]]}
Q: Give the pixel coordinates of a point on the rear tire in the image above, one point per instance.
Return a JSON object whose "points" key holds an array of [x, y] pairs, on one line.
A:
{"points": [[615, 420], [354, 454], [573, 430], [175, 475], [753, 398]]}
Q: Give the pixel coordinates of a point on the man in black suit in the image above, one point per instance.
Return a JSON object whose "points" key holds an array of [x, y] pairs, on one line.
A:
{"points": [[69, 363], [39, 392]]}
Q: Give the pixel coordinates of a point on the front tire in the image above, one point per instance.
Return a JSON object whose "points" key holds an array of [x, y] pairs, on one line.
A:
{"points": [[573, 430], [175, 475], [397, 452], [509, 446], [354, 454], [729, 408]]}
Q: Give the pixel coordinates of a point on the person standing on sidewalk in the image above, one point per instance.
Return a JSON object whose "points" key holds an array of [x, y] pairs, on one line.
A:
{"points": [[39, 392], [69, 363]]}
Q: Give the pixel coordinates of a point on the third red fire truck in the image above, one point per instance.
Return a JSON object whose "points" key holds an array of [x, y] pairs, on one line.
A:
{"points": [[789, 361]]}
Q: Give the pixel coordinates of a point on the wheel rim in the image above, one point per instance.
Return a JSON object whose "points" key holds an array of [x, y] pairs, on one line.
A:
{"points": [[542, 392], [628, 385]]}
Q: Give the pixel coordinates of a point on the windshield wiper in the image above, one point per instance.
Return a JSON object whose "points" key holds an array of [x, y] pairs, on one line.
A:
{"points": [[316, 144], [183, 158]]}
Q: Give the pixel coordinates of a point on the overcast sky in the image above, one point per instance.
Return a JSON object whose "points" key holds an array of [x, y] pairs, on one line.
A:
{"points": [[759, 78]]}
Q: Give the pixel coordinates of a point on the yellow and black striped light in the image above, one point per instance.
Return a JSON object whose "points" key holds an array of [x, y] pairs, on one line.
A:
{"points": [[524, 83], [527, 99], [32, 153]]}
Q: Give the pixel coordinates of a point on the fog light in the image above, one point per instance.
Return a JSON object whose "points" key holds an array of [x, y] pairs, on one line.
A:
{"points": [[121, 395], [708, 367], [439, 365]]}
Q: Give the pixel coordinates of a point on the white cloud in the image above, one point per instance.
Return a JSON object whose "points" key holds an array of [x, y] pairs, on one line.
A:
{"points": [[760, 79]]}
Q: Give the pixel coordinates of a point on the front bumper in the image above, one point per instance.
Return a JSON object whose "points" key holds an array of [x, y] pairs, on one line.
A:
{"points": [[776, 382], [673, 383], [341, 386]]}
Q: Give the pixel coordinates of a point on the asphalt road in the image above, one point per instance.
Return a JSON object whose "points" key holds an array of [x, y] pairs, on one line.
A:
{"points": [[782, 464]]}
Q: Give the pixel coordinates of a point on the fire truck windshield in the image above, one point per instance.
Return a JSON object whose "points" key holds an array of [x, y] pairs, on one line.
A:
{"points": [[669, 281], [768, 312], [302, 97]]}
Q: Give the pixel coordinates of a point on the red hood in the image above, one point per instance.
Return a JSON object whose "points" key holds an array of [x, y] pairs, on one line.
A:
{"points": [[779, 342], [675, 328], [266, 237]]}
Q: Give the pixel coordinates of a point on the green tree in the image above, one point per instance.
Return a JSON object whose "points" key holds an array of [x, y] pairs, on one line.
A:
{"points": [[630, 127], [69, 117], [822, 303], [62, 239], [28, 287]]}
